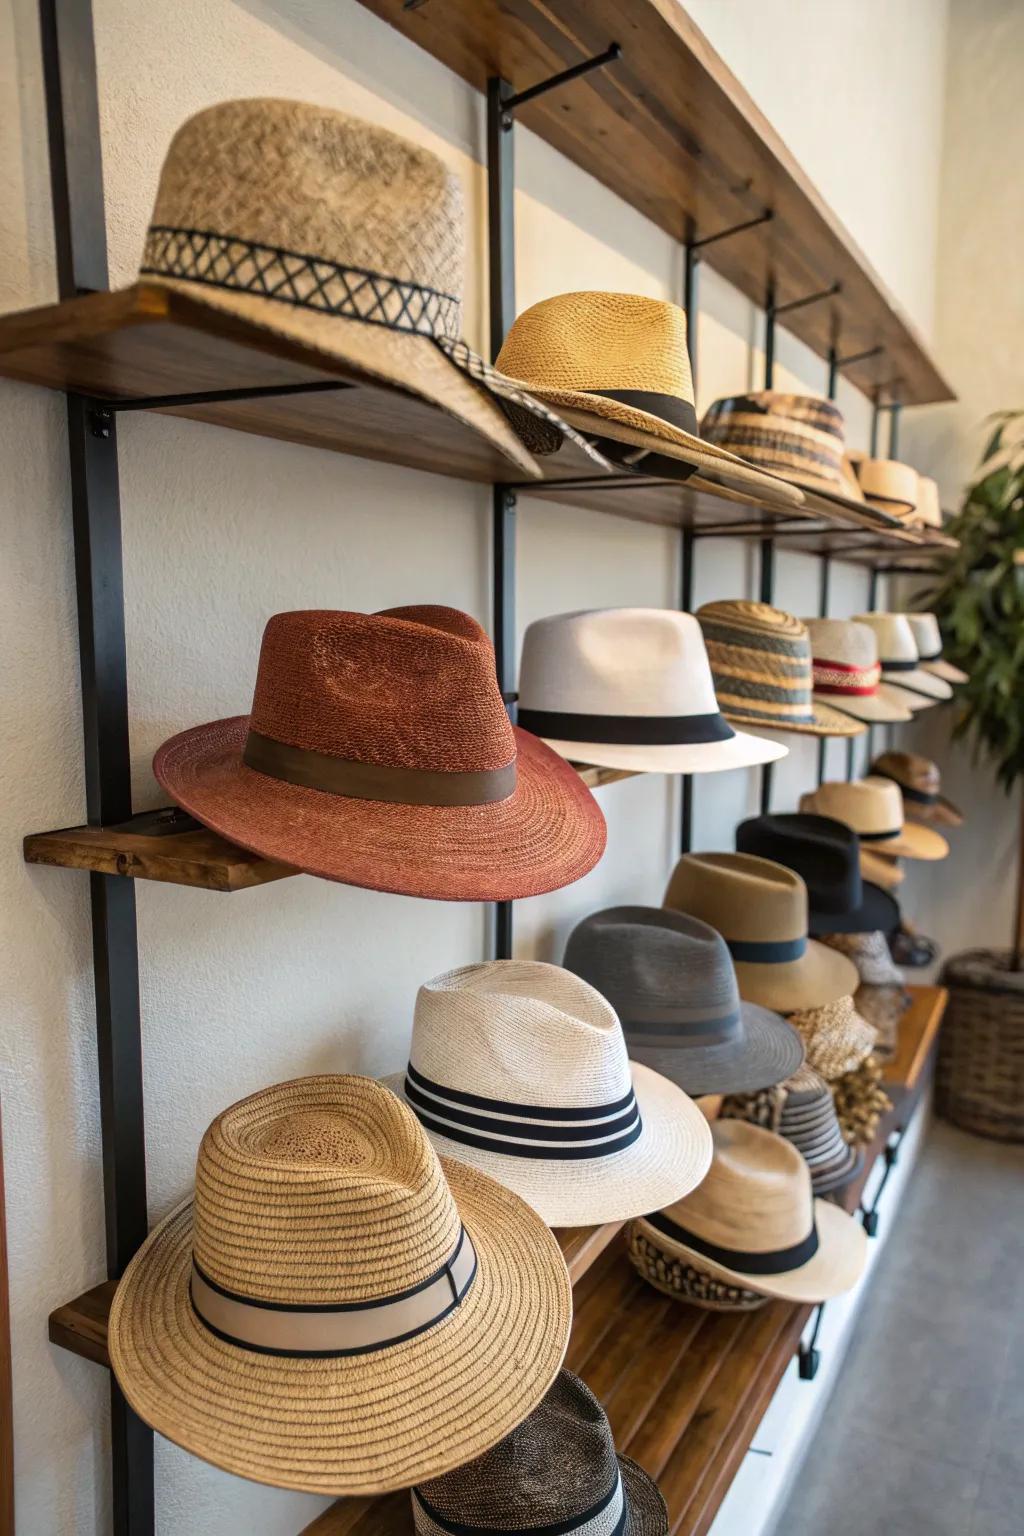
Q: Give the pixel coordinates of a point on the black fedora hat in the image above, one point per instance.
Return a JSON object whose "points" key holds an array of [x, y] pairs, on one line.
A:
{"points": [[826, 854]]}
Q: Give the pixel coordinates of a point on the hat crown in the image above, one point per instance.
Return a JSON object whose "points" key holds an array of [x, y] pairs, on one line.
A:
{"points": [[748, 899], [652, 959], [756, 1196], [893, 635], [927, 636], [406, 688], [319, 183], [318, 1191], [844, 640], [821, 850], [520, 1031], [888, 480], [910, 769], [617, 661], [760, 662], [869, 805], [798, 436]]}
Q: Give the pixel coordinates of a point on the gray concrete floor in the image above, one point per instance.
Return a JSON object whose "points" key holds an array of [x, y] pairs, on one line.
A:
{"points": [[924, 1433]]}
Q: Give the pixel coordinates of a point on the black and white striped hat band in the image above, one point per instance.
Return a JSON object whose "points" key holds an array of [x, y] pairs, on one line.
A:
{"points": [[524, 1130], [609, 1516]]}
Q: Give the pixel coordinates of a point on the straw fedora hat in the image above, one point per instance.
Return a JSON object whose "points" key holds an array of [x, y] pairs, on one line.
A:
{"points": [[928, 639], [629, 688], [837, 1039], [928, 512], [889, 486], [332, 1274], [672, 983], [754, 1221], [520, 1069], [760, 909], [824, 853], [901, 663], [379, 753], [876, 869], [761, 668], [873, 807], [316, 227], [920, 783], [847, 674], [684, 1281], [557, 1474], [616, 364]]}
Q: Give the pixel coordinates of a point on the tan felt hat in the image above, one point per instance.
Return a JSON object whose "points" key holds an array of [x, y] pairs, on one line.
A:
{"points": [[928, 639], [901, 662], [321, 228], [616, 364], [754, 1221], [876, 868], [890, 486], [920, 783], [337, 1310], [847, 673], [760, 909], [873, 807]]}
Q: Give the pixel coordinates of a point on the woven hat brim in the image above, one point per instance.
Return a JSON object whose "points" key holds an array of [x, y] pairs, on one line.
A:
{"points": [[878, 911], [673, 1153], [873, 708], [819, 976], [546, 834], [827, 1181], [915, 841], [880, 870], [768, 1051], [365, 1423], [835, 1267], [648, 1515], [935, 690], [403, 360], [824, 721], [946, 670], [739, 751], [941, 812]]}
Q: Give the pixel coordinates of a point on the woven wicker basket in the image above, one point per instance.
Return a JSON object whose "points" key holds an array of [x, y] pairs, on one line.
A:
{"points": [[979, 1080]]}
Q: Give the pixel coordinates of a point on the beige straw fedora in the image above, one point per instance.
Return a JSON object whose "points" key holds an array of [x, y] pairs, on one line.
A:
{"points": [[317, 227], [755, 1222], [873, 807], [684, 1281], [847, 673], [920, 782], [760, 909], [928, 512], [337, 1311], [519, 1068], [928, 639], [890, 486], [878, 870], [762, 670], [901, 662], [629, 688], [616, 364]]}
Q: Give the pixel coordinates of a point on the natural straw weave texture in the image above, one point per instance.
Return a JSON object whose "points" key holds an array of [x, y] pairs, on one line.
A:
{"points": [[871, 955], [836, 1038], [326, 1191], [684, 1281], [847, 674], [861, 1101]]}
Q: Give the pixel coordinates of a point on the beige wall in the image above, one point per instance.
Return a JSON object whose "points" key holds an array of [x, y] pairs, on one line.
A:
{"points": [[222, 529]]}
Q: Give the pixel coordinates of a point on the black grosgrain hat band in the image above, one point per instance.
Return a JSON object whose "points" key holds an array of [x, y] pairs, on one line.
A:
{"points": [[613, 1507], [767, 951], [919, 796], [656, 1026], [777, 1261], [672, 409], [626, 730]]}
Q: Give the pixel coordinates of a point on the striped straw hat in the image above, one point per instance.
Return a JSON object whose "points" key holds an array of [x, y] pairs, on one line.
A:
{"points": [[810, 1122], [873, 807], [901, 662], [761, 665], [928, 639], [847, 673], [337, 1310], [557, 1474]]}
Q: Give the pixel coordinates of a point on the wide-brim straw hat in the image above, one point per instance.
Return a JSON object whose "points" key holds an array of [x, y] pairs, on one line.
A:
{"points": [[928, 639], [379, 753], [316, 227], [338, 1311], [901, 665], [920, 781], [519, 1068], [761, 668], [755, 1223], [760, 909], [684, 1281], [616, 364], [630, 688], [873, 807], [825, 854], [847, 675]]}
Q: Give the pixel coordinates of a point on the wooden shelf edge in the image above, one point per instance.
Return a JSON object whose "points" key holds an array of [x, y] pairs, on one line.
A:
{"points": [[918, 1029]]}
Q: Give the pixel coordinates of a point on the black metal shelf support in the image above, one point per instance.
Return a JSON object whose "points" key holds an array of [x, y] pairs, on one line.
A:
{"points": [[808, 1355], [691, 260], [890, 1157], [771, 313]]}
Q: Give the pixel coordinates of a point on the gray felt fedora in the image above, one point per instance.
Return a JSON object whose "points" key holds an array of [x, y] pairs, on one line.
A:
{"points": [[671, 980]]}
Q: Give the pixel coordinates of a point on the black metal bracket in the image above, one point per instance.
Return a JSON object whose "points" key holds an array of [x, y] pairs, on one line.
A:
{"points": [[520, 98], [836, 364], [215, 396], [824, 586], [810, 298], [894, 407], [766, 593], [771, 313], [890, 1157], [734, 229], [808, 1355], [691, 258]]}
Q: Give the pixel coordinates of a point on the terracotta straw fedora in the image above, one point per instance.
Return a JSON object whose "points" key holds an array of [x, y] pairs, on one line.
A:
{"points": [[754, 1221], [520, 1069], [826, 855], [630, 688], [920, 783], [337, 1310], [761, 667], [900, 662], [928, 639], [760, 909], [616, 365], [837, 1038], [557, 1474], [379, 753], [672, 983], [684, 1281], [890, 487], [313, 226], [873, 807], [847, 673]]}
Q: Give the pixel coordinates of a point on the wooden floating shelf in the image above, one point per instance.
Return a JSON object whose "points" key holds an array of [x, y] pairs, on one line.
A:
{"points": [[670, 130]]}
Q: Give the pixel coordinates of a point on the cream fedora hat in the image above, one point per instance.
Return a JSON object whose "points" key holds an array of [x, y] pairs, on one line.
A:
{"points": [[928, 639], [901, 663], [630, 688], [847, 673], [890, 486], [755, 1222], [317, 227], [760, 909], [873, 807], [616, 364], [929, 508], [519, 1068], [332, 1274]]}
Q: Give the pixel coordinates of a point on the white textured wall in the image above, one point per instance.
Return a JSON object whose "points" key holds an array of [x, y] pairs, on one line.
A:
{"points": [[222, 529]]}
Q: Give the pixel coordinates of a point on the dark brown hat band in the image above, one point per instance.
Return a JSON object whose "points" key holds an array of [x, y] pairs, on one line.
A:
{"points": [[375, 781]]}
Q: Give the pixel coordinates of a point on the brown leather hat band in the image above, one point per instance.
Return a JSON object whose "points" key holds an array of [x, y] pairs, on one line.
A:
{"points": [[375, 781]]}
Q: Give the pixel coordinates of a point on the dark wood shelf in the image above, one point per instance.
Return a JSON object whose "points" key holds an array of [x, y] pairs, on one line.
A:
{"points": [[670, 130]]}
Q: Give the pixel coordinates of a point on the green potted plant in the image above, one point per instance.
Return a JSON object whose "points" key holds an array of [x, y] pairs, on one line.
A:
{"points": [[979, 600]]}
